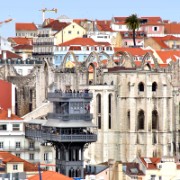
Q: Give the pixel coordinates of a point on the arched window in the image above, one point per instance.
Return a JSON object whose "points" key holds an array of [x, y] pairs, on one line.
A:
{"points": [[140, 120], [141, 87], [154, 119], [154, 86], [109, 110], [98, 100]]}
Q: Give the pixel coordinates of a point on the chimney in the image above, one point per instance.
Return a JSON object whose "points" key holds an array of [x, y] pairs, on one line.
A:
{"points": [[9, 113], [4, 55]]}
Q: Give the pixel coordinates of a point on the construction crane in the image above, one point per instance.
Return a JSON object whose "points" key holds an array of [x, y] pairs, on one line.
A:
{"points": [[46, 10], [6, 21]]}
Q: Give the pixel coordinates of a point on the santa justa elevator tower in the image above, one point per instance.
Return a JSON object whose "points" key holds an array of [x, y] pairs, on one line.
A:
{"points": [[68, 128]]}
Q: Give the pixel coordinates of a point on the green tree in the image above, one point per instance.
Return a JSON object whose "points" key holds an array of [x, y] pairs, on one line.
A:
{"points": [[133, 23]]}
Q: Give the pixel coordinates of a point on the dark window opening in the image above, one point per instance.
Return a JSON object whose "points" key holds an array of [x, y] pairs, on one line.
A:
{"points": [[141, 87], [154, 119], [128, 117], [154, 86], [141, 120], [99, 122], [109, 110]]}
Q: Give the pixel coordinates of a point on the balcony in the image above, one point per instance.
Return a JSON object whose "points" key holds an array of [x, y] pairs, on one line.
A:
{"points": [[20, 149], [43, 44], [42, 53], [48, 136]]}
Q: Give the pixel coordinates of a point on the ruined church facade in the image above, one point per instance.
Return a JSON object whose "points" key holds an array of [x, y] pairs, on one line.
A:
{"points": [[136, 108]]}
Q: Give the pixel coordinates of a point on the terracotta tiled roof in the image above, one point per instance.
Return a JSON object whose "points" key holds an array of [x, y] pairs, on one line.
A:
{"points": [[133, 169], [56, 25], [83, 42], [169, 55], [153, 165], [133, 51], [103, 25], [79, 21], [172, 28], [25, 46], [10, 158], [4, 115], [10, 55], [50, 175], [161, 40], [152, 20], [26, 27], [120, 20], [20, 40]]}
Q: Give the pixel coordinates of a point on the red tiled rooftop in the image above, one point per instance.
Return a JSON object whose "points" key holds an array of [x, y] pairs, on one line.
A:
{"points": [[4, 115], [161, 40], [153, 164], [26, 27], [83, 42], [10, 55], [132, 51], [10, 158], [171, 54], [172, 28], [23, 46], [50, 175], [21, 40], [56, 25]]}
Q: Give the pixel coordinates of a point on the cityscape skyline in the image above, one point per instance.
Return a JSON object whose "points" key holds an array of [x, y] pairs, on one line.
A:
{"points": [[21, 11]]}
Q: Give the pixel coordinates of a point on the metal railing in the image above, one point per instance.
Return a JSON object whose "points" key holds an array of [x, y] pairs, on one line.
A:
{"points": [[48, 136], [57, 94], [68, 117]]}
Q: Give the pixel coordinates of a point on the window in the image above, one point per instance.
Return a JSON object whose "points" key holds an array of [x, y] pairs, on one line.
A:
{"points": [[128, 117], [153, 177], [1, 145], [77, 32], [155, 28], [16, 127], [141, 87], [31, 145], [98, 100], [18, 154], [69, 32], [110, 109], [15, 167], [20, 71], [154, 119], [46, 156], [3, 127], [140, 120], [18, 144], [31, 156], [154, 86]]}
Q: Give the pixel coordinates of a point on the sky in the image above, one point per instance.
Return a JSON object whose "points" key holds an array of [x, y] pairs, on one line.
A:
{"points": [[28, 11]]}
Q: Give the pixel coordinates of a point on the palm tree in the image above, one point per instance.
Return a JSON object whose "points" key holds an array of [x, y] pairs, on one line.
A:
{"points": [[133, 23]]}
